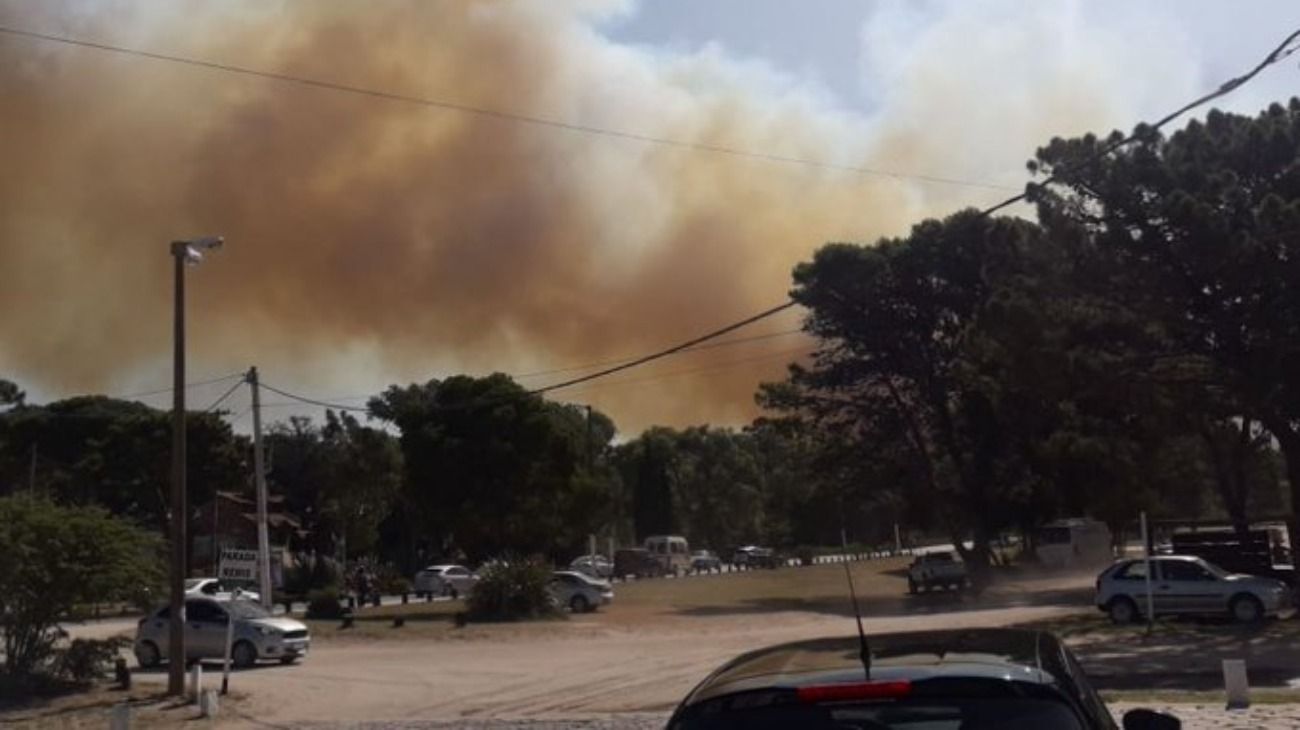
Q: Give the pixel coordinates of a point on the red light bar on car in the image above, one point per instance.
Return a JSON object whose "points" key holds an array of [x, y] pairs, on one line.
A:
{"points": [[854, 691]]}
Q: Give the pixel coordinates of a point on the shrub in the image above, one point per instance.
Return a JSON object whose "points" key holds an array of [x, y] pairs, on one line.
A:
{"points": [[88, 659], [310, 574], [389, 581], [324, 604], [54, 557], [512, 591]]}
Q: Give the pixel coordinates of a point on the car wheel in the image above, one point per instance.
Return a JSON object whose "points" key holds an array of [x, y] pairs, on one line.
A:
{"points": [[147, 655], [287, 660], [579, 604], [1122, 611], [243, 655], [1246, 609]]}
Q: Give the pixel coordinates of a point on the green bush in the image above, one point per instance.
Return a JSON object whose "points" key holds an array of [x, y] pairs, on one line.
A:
{"points": [[53, 558], [88, 659], [324, 604], [512, 591], [307, 575], [389, 581]]}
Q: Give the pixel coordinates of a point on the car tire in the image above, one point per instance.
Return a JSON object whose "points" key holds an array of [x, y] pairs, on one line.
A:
{"points": [[579, 604], [147, 655], [1122, 610], [243, 655], [1246, 609]]}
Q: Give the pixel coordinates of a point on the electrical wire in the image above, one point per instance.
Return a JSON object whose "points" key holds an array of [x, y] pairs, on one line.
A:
{"points": [[666, 352], [503, 115], [223, 397], [714, 368], [188, 386], [697, 348], [1287, 47]]}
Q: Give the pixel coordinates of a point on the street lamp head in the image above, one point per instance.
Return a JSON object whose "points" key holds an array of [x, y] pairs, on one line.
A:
{"points": [[192, 249]]}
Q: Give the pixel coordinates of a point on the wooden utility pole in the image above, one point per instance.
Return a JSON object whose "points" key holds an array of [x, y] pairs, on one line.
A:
{"points": [[176, 621], [259, 478]]}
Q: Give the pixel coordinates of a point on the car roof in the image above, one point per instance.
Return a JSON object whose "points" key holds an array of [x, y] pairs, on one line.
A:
{"points": [[444, 567], [1002, 654]]}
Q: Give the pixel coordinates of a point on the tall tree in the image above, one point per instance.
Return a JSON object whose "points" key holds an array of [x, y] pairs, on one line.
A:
{"points": [[490, 467], [1205, 227]]}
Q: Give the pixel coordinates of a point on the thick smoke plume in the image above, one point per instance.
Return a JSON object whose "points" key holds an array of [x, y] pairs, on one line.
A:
{"points": [[372, 241]]}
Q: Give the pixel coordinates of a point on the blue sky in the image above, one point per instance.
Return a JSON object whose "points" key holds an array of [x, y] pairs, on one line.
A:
{"points": [[822, 40]]}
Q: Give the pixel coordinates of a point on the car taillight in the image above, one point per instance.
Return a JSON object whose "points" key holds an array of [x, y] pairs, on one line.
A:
{"points": [[854, 691]]}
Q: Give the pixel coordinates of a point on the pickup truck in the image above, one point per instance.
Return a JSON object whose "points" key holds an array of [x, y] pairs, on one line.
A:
{"points": [[936, 570]]}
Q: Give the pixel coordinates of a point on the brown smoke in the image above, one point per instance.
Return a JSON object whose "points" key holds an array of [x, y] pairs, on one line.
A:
{"points": [[372, 241]]}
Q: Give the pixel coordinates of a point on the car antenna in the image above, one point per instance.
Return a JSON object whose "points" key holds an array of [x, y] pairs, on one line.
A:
{"points": [[864, 651]]}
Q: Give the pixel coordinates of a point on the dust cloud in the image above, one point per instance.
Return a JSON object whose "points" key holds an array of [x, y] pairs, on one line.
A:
{"points": [[372, 241]]}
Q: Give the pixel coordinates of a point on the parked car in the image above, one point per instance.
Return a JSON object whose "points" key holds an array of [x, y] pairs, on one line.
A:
{"points": [[974, 679], [579, 591], [636, 562], [1187, 585], [257, 634], [215, 588], [671, 551], [936, 570], [755, 556], [596, 566], [444, 580], [702, 560]]}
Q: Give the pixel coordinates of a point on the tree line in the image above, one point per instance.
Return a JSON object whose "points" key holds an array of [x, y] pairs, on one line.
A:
{"points": [[1131, 343]]}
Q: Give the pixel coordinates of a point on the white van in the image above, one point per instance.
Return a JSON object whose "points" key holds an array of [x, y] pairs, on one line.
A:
{"points": [[672, 552], [1073, 543]]}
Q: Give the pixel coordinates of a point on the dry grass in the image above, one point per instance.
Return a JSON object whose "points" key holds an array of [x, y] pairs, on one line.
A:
{"points": [[150, 708], [817, 589]]}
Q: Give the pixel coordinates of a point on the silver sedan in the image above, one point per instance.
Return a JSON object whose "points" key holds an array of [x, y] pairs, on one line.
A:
{"points": [[256, 633]]}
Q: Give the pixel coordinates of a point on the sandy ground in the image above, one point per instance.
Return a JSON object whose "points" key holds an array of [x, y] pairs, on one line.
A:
{"points": [[625, 667], [586, 668]]}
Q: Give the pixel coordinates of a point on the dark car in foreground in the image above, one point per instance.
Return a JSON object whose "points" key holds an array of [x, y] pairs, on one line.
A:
{"points": [[973, 679]]}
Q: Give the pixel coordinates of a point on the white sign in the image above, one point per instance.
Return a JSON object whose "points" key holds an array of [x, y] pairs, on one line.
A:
{"points": [[238, 565]]}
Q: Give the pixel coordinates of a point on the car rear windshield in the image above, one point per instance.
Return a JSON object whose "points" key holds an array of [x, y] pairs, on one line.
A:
{"points": [[1009, 713]]}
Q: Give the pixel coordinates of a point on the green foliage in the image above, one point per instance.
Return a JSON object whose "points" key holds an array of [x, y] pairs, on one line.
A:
{"points": [[342, 479], [54, 557], [1197, 234], [93, 450], [513, 591], [324, 604], [307, 575], [85, 660], [490, 467]]}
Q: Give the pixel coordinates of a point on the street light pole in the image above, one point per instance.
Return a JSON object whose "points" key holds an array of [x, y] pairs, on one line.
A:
{"points": [[183, 252]]}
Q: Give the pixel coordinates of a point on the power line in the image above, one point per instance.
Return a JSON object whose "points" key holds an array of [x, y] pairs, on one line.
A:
{"points": [[504, 115], [1287, 47], [714, 368], [669, 351], [313, 401], [188, 386], [697, 348], [223, 397]]}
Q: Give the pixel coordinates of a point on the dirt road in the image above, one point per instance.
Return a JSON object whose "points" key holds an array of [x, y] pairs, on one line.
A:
{"points": [[580, 669]]}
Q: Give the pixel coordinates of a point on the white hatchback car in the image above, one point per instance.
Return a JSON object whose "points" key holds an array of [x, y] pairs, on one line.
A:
{"points": [[444, 580], [1185, 585], [579, 591]]}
